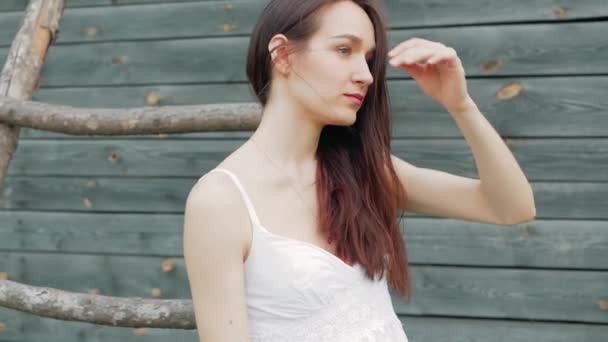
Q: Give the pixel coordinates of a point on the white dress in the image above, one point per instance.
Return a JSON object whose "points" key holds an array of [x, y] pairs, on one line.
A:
{"points": [[298, 292]]}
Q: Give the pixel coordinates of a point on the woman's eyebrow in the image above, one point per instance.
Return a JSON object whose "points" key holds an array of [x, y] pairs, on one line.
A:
{"points": [[354, 38]]}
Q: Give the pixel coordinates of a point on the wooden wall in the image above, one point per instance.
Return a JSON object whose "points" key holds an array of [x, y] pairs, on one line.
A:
{"points": [[102, 213]]}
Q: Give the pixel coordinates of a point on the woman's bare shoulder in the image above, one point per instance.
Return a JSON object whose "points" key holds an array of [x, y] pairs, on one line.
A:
{"points": [[214, 244], [215, 202], [216, 194]]}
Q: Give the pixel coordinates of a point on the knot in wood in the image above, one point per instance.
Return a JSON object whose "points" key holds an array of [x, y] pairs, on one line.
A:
{"points": [[491, 65], [155, 292], [153, 98], [560, 11], [90, 31], [168, 265], [139, 331], [114, 157], [509, 91]]}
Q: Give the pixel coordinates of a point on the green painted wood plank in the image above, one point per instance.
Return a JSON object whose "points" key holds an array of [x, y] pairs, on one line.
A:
{"points": [[569, 160], [196, 19], [542, 243], [435, 329], [111, 275], [19, 5], [507, 293], [9, 24], [546, 107], [238, 17], [439, 290], [13, 5], [578, 200], [24, 327], [571, 200], [135, 157], [522, 49], [417, 328], [136, 234]]}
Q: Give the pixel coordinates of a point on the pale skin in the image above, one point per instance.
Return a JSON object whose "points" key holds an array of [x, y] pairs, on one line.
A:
{"points": [[217, 230]]}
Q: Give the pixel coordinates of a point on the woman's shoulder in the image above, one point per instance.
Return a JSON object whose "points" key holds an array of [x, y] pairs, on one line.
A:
{"points": [[211, 194], [214, 206]]}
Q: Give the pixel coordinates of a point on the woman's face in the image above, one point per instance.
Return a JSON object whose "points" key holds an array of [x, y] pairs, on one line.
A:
{"points": [[336, 63]]}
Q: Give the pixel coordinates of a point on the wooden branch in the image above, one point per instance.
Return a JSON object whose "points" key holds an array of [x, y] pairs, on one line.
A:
{"points": [[142, 120], [19, 77], [18, 81], [132, 312]]}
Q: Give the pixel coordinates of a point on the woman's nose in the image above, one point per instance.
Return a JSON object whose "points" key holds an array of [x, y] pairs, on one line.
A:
{"points": [[364, 76]]}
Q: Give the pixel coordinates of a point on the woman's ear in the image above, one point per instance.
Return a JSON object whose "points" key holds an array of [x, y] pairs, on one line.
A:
{"points": [[279, 53]]}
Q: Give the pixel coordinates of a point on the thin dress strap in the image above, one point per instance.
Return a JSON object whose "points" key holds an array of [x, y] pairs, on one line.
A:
{"points": [[252, 215]]}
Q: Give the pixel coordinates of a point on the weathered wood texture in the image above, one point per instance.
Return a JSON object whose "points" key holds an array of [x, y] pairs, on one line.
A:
{"points": [[546, 107], [497, 50], [554, 200], [562, 244], [21, 70], [142, 120], [440, 290], [109, 210], [569, 159], [95, 308], [418, 329], [211, 17]]}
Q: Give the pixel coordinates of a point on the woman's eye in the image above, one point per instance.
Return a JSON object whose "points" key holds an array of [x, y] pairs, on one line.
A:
{"points": [[346, 49]]}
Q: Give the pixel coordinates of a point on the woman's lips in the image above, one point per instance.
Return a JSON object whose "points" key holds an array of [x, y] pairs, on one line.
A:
{"points": [[354, 99]]}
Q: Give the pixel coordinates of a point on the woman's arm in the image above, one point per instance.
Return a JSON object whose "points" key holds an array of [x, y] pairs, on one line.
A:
{"points": [[213, 253], [502, 195]]}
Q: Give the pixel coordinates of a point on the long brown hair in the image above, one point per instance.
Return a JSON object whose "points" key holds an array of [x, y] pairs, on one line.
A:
{"points": [[358, 190]]}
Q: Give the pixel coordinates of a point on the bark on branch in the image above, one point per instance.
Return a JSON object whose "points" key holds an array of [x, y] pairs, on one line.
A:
{"points": [[132, 312], [19, 77], [18, 81], [143, 120]]}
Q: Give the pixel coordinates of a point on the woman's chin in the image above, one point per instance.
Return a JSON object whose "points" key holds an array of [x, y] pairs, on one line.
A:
{"points": [[345, 118], [350, 118]]}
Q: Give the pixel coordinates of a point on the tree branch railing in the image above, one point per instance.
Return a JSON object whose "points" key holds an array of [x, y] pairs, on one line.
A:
{"points": [[20, 74], [142, 120], [107, 310], [18, 81], [132, 312]]}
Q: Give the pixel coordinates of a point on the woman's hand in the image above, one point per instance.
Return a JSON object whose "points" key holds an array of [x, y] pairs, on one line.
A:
{"points": [[436, 69]]}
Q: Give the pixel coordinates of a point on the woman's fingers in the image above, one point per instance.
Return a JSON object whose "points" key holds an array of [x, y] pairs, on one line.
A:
{"points": [[445, 54], [402, 46], [413, 55], [411, 43]]}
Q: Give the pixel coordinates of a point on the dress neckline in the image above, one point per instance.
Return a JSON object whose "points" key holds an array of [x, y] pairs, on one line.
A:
{"points": [[255, 221], [311, 245]]}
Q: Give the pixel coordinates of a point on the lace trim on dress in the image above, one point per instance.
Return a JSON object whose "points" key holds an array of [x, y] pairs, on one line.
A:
{"points": [[354, 315]]}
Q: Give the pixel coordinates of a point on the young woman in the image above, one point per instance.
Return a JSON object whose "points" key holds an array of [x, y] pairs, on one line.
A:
{"points": [[294, 236]]}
